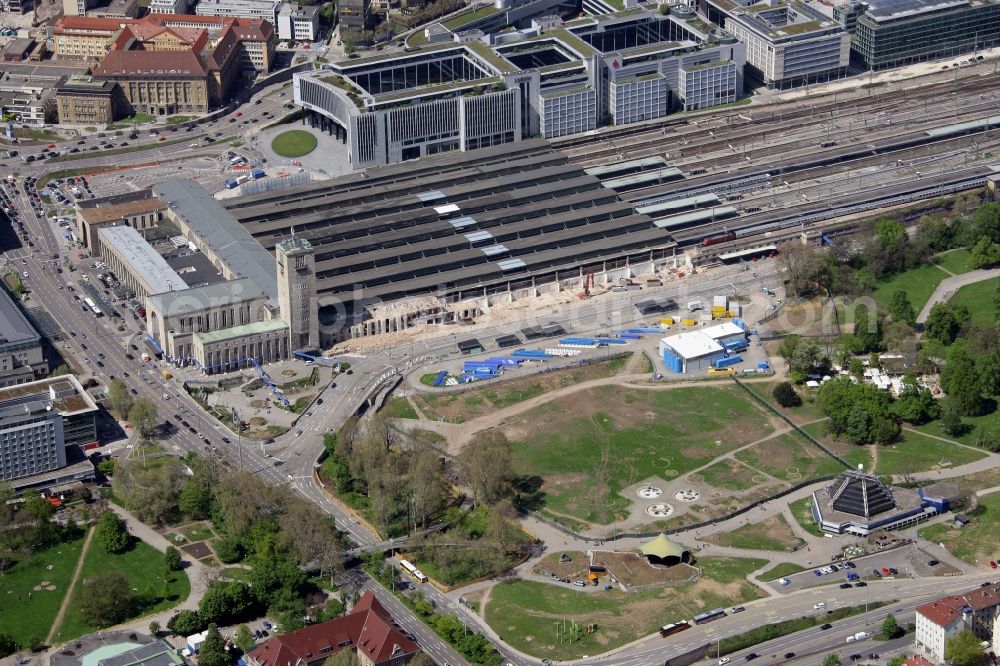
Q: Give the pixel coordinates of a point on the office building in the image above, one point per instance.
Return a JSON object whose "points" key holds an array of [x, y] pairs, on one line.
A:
{"points": [[27, 109], [552, 80], [38, 421], [21, 356], [168, 6], [787, 42], [117, 9], [888, 33], [75, 7], [297, 23], [264, 10], [84, 100], [977, 610], [141, 210], [353, 13]]}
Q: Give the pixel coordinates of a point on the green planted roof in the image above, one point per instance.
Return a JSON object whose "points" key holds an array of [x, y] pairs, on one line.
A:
{"points": [[255, 328]]}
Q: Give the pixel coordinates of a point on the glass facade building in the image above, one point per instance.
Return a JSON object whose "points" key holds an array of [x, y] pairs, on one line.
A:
{"points": [[890, 33]]}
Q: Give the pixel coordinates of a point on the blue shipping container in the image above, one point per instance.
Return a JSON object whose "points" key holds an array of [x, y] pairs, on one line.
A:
{"points": [[231, 184], [503, 360], [610, 341], [728, 361], [590, 342], [257, 174]]}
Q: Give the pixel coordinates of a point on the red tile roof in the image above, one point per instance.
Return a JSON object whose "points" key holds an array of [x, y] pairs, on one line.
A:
{"points": [[946, 610], [96, 23], [916, 660], [368, 627], [150, 63]]}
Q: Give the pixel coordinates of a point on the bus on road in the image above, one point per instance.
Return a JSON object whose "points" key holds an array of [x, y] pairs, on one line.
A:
{"points": [[710, 616], [93, 308], [676, 627], [413, 571]]}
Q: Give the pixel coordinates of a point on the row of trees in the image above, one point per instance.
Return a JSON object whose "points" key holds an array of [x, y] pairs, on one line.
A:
{"points": [[141, 412]]}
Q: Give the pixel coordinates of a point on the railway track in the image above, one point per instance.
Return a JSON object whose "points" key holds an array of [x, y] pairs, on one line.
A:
{"points": [[610, 144]]}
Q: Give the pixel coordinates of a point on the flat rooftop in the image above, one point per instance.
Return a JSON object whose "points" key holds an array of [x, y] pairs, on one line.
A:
{"points": [[140, 255], [458, 222], [14, 325], [894, 9], [221, 232], [195, 268], [692, 344], [65, 392]]}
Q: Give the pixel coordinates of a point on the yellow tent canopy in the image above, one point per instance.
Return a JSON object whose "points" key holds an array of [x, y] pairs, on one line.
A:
{"points": [[662, 547]]}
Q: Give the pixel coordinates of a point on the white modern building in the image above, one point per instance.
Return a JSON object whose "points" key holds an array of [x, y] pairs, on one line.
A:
{"points": [[249, 9], [787, 42], [298, 23], [168, 6], [977, 610], [470, 90], [38, 420], [698, 349]]}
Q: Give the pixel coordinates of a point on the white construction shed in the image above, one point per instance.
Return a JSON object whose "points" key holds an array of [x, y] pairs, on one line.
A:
{"points": [[690, 351]]}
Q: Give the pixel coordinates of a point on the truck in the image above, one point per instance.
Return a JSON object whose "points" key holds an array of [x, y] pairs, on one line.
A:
{"points": [[860, 636], [257, 174], [695, 305], [231, 184]]}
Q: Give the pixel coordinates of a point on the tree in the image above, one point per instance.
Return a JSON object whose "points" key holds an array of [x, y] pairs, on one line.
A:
{"points": [[963, 649], [61, 369], [244, 639], [859, 425], [802, 265], [807, 359], [426, 485], [186, 622], [106, 599], [154, 628], [897, 660], [224, 602], [786, 396], [832, 659], [984, 254], [172, 560], [890, 628], [488, 464], [112, 533], [901, 309], [942, 324], [916, 404], [347, 657], [962, 383], [951, 418], [788, 346], [195, 500], [422, 659], [996, 302], [7, 645], [213, 650], [143, 415], [986, 222], [119, 398], [867, 329]]}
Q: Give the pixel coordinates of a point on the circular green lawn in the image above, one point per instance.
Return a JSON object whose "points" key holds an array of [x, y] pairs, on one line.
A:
{"points": [[293, 143]]}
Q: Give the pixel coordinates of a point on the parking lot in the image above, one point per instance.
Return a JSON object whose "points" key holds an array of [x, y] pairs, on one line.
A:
{"points": [[907, 561]]}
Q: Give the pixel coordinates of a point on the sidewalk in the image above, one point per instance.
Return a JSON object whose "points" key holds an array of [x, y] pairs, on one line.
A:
{"points": [[950, 285]]}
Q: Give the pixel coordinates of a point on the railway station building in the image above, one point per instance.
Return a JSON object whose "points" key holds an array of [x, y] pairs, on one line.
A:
{"points": [[471, 90]]}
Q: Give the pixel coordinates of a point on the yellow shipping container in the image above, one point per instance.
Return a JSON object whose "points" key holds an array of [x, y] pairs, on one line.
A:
{"points": [[688, 322], [713, 372], [667, 321]]}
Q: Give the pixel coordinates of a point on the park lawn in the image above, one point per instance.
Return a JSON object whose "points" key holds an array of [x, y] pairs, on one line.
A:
{"points": [[978, 297], [589, 445], [919, 453], [807, 412], [789, 457], [773, 533], [956, 261], [731, 475], [976, 542], [781, 570], [802, 510], [496, 394], [986, 428], [399, 407], [195, 532], [854, 455], [142, 565], [294, 143], [918, 283], [525, 613], [23, 618]]}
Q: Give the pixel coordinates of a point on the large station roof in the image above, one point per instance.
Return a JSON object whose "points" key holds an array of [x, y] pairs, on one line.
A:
{"points": [[452, 224]]}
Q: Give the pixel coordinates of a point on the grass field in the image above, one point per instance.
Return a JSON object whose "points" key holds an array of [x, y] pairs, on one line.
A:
{"points": [[956, 261], [917, 453], [22, 617], [142, 565], [985, 427], [731, 475], [802, 510], [525, 614], [790, 457], [773, 533], [804, 413], [781, 570], [294, 143], [978, 297], [976, 542], [589, 445], [399, 407], [468, 405], [918, 283]]}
